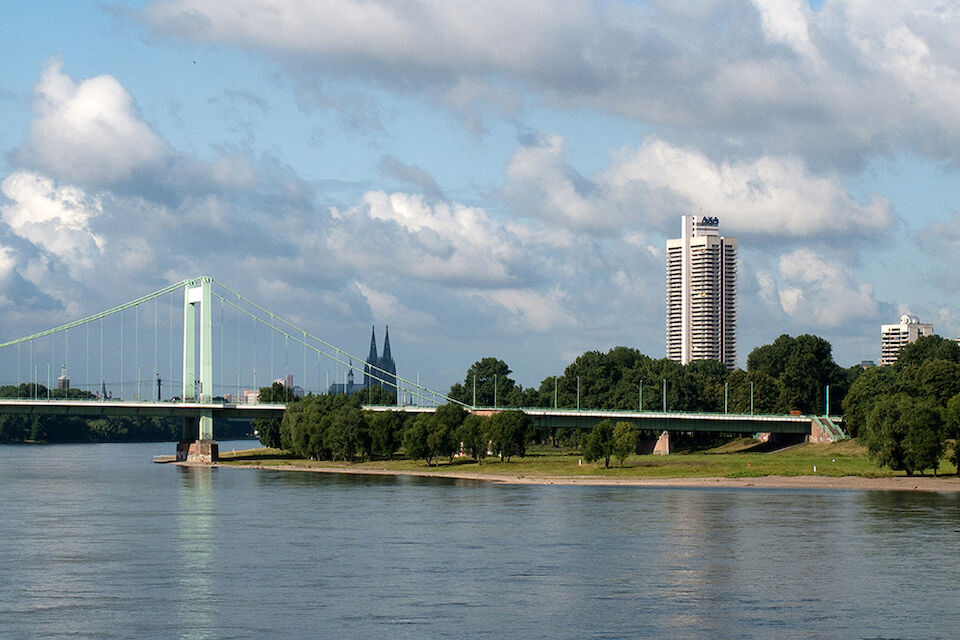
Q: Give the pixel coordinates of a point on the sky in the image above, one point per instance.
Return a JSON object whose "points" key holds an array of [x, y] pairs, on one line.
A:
{"points": [[492, 178]]}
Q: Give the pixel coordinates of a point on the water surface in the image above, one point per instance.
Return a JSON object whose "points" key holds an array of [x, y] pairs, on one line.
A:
{"points": [[98, 542]]}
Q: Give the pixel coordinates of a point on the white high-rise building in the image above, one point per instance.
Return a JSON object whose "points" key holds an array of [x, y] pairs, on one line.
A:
{"points": [[894, 336], [702, 293]]}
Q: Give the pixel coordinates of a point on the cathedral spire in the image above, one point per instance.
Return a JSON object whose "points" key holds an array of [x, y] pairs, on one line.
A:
{"points": [[372, 358], [386, 347]]}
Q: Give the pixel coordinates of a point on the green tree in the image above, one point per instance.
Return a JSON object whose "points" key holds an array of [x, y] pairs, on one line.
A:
{"points": [[269, 428], [804, 366], [624, 440], [904, 433], [872, 385], [386, 430], [508, 432], [493, 384], [346, 434], [415, 445], [473, 434], [952, 425], [927, 348], [598, 444]]}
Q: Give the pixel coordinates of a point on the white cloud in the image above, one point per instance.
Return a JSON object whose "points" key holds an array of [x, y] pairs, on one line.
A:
{"points": [[385, 306], [752, 77], [532, 310], [655, 183], [785, 22], [56, 218], [816, 290], [439, 242], [89, 131]]}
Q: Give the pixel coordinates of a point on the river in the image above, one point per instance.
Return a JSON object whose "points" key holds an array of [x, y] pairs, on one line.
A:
{"points": [[98, 542]]}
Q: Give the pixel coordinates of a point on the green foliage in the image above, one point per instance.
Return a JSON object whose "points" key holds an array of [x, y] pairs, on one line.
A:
{"points": [[804, 367], [415, 445], [386, 429], [473, 435], [624, 440], [508, 432], [951, 419], [598, 444], [873, 384], [928, 348], [905, 433]]}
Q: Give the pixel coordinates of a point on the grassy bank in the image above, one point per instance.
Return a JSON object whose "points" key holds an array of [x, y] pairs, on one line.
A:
{"points": [[737, 459]]}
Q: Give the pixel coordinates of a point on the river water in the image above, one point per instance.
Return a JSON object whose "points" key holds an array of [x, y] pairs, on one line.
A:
{"points": [[98, 542]]}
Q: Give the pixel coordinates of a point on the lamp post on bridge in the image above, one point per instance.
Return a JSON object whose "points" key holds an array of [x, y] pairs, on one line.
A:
{"points": [[578, 393], [640, 397], [664, 395]]}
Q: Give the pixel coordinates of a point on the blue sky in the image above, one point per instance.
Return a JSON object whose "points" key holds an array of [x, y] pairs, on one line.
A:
{"points": [[496, 179]]}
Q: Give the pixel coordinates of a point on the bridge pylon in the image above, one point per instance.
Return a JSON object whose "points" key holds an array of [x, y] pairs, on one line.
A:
{"points": [[196, 388]]}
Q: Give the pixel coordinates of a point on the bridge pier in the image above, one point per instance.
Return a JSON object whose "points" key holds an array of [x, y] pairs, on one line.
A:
{"points": [[203, 451], [197, 443], [662, 448]]}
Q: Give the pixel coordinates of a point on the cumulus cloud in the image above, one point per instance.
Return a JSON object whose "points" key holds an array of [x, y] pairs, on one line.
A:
{"points": [[819, 291], [89, 131], [54, 218], [443, 242], [749, 76], [653, 184]]}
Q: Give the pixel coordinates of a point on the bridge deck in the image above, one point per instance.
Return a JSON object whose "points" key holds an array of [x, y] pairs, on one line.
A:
{"points": [[650, 420], [137, 409]]}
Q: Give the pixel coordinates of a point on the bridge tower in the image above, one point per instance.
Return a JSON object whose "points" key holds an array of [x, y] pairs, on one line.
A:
{"points": [[198, 389]]}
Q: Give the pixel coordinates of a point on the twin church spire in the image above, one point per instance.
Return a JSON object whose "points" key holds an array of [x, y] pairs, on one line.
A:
{"points": [[380, 370]]}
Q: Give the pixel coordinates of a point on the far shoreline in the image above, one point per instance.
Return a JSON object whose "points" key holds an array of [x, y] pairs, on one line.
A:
{"points": [[928, 484]]}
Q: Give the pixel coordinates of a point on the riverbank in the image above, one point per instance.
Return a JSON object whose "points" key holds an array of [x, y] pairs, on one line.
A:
{"points": [[843, 466], [854, 483]]}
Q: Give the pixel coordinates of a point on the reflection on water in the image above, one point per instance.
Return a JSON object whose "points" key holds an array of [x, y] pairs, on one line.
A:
{"points": [[195, 540], [97, 542]]}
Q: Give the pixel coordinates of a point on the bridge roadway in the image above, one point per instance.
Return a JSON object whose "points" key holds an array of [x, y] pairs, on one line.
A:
{"points": [[552, 418], [649, 420], [137, 409]]}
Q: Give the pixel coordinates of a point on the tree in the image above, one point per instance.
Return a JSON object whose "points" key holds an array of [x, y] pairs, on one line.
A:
{"points": [[872, 385], [269, 428], [927, 348], [346, 435], [904, 433], [493, 384], [508, 432], [624, 440], [598, 444], [386, 430], [952, 425], [473, 435], [804, 367], [415, 444]]}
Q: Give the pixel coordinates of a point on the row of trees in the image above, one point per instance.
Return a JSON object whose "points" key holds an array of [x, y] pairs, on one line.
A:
{"points": [[333, 427], [905, 414], [792, 373]]}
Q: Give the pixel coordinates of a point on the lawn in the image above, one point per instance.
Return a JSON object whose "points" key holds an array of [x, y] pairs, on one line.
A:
{"points": [[738, 458]]}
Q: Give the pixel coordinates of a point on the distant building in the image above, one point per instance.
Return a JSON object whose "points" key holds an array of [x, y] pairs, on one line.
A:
{"points": [[702, 293], [349, 387], [63, 382], [894, 336], [378, 370]]}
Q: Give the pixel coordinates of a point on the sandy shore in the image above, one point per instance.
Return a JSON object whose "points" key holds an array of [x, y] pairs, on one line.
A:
{"points": [[858, 483]]}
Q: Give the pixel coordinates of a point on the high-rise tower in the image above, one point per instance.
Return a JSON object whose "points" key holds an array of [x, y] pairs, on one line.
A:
{"points": [[702, 293]]}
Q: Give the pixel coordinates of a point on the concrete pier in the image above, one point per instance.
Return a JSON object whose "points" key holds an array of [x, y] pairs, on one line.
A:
{"points": [[198, 451]]}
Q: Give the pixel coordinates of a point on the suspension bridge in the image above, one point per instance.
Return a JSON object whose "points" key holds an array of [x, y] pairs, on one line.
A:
{"points": [[170, 334]]}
